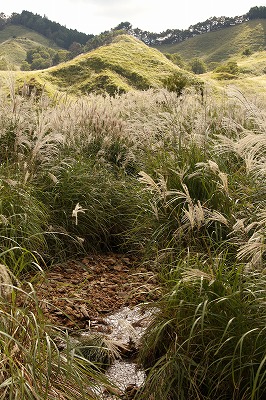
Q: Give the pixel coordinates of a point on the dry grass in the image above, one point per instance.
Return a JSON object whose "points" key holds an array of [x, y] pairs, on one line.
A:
{"points": [[201, 158]]}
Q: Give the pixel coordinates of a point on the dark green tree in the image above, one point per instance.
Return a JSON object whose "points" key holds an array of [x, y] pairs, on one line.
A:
{"points": [[25, 66], [247, 52], [198, 66], [75, 49], [61, 35], [257, 12], [123, 26], [60, 56], [40, 63], [3, 20]]}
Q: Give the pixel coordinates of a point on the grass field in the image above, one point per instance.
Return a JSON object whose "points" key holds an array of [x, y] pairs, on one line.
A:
{"points": [[126, 64]]}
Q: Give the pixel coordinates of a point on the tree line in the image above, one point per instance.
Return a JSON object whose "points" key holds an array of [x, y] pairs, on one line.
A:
{"points": [[172, 36], [78, 42], [57, 33]]}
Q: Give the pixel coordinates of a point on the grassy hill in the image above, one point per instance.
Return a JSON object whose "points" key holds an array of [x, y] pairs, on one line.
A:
{"points": [[123, 65], [254, 64], [223, 44], [128, 64], [15, 41]]}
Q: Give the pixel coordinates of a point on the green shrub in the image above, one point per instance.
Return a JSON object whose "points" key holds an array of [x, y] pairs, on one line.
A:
{"points": [[247, 52], [229, 70], [198, 66], [178, 81], [4, 65]]}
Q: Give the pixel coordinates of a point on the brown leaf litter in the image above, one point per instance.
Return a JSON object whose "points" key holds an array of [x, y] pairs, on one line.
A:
{"points": [[74, 293]]}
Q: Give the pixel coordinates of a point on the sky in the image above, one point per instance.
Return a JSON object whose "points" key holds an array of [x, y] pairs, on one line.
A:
{"points": [[96, 16]]}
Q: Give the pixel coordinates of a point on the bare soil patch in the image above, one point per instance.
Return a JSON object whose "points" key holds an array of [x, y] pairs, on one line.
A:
{"points": [[74, 293]]}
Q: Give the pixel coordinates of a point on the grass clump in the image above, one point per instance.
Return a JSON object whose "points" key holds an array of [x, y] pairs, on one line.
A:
{"points": [[22, 217], [37, 360], [208, 338], [91, 207], [98, 349]]}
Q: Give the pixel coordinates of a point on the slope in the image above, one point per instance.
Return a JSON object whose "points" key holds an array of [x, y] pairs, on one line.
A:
{"points": [[123, 65], [221, 45], [15, 41]]}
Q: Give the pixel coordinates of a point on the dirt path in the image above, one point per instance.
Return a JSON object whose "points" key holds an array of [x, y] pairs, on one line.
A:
{"points": [[75, 293]]}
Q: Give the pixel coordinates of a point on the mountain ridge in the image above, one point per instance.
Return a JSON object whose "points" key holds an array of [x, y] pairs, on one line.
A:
{"points": [[64, 37], [109, 68], [122, 62]]}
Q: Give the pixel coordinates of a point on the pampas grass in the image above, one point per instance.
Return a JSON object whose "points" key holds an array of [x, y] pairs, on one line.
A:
{"points": [[171, 178], [186, 168], [32, 364], [207, 339]]}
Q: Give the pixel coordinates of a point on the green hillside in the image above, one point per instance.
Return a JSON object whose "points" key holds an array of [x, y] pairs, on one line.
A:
{"points": [[128, 64], [15, 41], [125, 64], [254, 64], [221, 45], [19, 31]]}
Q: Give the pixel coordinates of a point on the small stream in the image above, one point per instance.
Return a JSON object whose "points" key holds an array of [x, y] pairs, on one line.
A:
{"points": [[126, 376], [126, 328]]}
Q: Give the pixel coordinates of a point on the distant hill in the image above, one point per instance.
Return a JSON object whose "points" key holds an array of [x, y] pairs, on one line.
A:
{"points": [[52, 30], [219, 46], [15, 41], [125, 64], [174, 36], [213, 40], [118, 63], [18, 31]]}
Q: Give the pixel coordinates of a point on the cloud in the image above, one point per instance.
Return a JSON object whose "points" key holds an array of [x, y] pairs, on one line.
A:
{"points": [[100, 2], [95, 16], [106, 14], [115, 8]]}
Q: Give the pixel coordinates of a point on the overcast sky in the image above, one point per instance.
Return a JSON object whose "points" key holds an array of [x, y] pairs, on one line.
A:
{"points": [[96, 16]]}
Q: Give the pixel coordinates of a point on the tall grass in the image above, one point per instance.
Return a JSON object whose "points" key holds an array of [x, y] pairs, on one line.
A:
{"points": [[172, 178], [150, 170], [22, 216], [207, 339], [37, 360]]}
